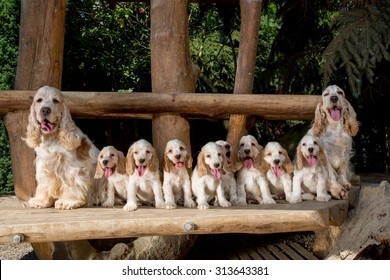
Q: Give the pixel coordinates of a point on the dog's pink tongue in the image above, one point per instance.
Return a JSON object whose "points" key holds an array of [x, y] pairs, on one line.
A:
{"points": [[141, 170], [179, 165], [216, 173], [108, 172], [47, 126], [248, 163], [335, 114], [311, 160], [277, 171]]}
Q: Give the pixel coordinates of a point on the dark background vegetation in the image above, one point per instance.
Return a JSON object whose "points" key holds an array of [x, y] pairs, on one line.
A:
{"points": [[303, 46]]}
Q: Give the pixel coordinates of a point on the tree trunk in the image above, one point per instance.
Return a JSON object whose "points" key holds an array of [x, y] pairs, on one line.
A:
{"points": [[368, 228], [249, 33]]}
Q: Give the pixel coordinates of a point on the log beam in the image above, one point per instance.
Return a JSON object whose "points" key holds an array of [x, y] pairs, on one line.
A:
{"points": [[128, 105]]}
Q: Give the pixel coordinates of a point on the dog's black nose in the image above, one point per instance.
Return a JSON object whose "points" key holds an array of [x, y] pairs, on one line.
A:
{"points": [[310, 150], [227, 147], [334, 99], [141, 160], [247, 151], [105, 162], [45, 111], [277, 161], [177, 156], [216, 165]]}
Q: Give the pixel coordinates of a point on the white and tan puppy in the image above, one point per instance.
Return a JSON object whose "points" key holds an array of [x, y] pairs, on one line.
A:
{"points": [[144, 178], [277, 166], [177, 184], [206, 177], [228, 180], [112, 165], [252, 184], [311, 172]]}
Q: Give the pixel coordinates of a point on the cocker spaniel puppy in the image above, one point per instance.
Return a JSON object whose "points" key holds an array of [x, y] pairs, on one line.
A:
{"points": [[334, 124], [252, 183], [144, 177], [228, 180], [112, 165], [311, 173], [206, 177], [277, 166], [177, 184], [65, 157]]}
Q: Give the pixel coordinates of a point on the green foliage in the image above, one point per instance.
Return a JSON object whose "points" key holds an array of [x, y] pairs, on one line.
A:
{"points": [[107, 49], [9, 33], [361, 42]]}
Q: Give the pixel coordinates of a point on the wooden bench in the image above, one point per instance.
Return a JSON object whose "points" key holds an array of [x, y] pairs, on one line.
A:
{"points": [[170, 103]]}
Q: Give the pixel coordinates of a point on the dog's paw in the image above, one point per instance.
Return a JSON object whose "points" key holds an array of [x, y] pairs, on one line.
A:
{"points": [[39, 203], [190, 204], [160, 205], [203, 206], [66, 204], [130, 206], [225, 204], [323, 198], [108, 204], [295, 199], [240, 202], [170, 206], [268, 200]]}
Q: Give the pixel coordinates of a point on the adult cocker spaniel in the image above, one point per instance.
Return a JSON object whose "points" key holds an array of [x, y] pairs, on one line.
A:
{"points": [[335, 124], [65, 157]]}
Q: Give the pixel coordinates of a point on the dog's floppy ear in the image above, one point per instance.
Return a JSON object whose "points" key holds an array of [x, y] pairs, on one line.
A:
{"points": [[201, 165], [167, 163], [287, 165], [99, 170], [189, 157], [351, 125], [121, 165], [319, 120], [323, 158], [300, 158], [33, 134], [154, 164], [130, 163], [260, 163], [68, 132]]}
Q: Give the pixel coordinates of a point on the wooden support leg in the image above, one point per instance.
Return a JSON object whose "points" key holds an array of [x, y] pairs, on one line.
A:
{"points": [[249, 33]]}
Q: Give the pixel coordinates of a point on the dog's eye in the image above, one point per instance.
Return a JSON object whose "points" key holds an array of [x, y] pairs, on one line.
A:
{"points": [[101, 156], [208, 156], [170, 152], [219, 154], [39, 100], [56, 101], [326, 94], [148, 152], [280, 152], [182, 148], [340, 92], [242, 145], [269, 154], [253, 144], [136, 152], [112, 155], [315, 142], [303, 144]]}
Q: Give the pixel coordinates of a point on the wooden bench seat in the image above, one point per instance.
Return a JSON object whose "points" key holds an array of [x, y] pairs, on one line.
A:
{"points": [[45, 225]]}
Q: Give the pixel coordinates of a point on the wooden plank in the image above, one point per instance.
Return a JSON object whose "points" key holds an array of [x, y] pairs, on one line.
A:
{"points": [[277, 252], [124, 105], [254, 255], [243, 255], [41, 225], [293, 255], [306, 254], [265, 254]]}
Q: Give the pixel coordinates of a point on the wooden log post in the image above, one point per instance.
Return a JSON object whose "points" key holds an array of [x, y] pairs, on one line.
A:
{"points": [[249, 33]]}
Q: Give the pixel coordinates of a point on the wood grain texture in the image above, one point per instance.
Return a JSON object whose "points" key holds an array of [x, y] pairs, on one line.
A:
{"points": [[125, 105], [42, 225]]}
